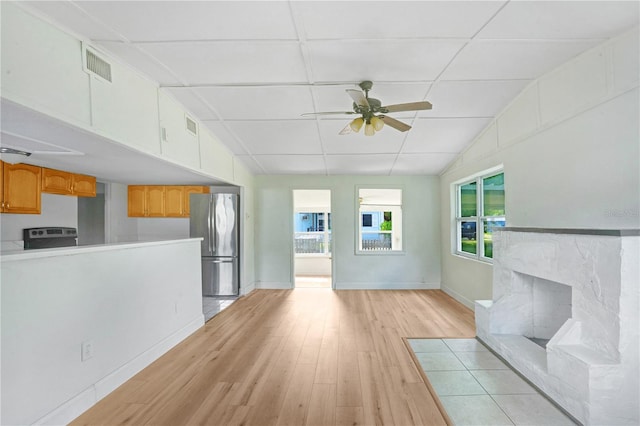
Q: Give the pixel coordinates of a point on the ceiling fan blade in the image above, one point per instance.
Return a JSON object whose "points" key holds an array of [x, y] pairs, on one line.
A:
{"points": [[347, 130], [358, 97], [412, 106], [398, 125], [327, 113]]}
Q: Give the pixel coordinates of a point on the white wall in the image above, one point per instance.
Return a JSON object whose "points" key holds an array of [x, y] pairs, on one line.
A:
{"points": [[57, 210], [569, 144], [417, 267], [120, 227], [133, 302]]}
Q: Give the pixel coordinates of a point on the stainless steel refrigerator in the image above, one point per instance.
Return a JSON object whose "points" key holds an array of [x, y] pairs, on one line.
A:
{"points": [[214, 218]]}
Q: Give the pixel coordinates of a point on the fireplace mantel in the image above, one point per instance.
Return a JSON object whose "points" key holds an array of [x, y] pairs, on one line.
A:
{"points": [[590, 364]]}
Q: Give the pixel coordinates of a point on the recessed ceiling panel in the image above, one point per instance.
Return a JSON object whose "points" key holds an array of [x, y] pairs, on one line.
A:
{"points": [[139, 60], [69, 15], [421, 164], [450, 135], [278, 136], [225, 62], [386, 141], [193, 103], [250, 164], [562, 19], [369, 164], [195, 20], [397, 19], [381, 60], [220, 131], [471, 98], [266, 102], [292, 164], [513, 59]]}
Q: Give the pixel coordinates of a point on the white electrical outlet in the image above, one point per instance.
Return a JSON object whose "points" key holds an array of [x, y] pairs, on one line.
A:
{"points": [[87, 350]]}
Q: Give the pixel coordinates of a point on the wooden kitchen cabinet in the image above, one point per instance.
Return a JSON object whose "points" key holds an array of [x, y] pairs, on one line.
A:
{"points": [[21, 188], [83, 185], [161, 200], [188, 190], [66, 183]]}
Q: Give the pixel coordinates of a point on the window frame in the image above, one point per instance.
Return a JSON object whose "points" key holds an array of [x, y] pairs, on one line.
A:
{"points": [[480, 217], [358, 224]]}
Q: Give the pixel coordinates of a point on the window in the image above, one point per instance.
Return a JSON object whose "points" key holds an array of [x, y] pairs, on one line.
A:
{"points": [[310, 234], [379, 220], [480, 209]]}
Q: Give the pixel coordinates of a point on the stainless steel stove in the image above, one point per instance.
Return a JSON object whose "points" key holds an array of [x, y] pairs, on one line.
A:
{"points": [[49, 237]]}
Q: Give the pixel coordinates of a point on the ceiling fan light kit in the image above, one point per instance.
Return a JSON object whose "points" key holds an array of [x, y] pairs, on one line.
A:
{"points": [[368, 108]]}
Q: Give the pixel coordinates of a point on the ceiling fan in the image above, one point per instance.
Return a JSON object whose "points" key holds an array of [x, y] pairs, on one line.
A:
{"points": [[373, 113]]}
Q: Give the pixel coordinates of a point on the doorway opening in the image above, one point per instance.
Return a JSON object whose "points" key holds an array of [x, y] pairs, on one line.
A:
{"points": [[312, 238]]}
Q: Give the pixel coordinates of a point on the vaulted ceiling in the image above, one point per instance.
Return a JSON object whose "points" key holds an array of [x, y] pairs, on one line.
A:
{"points": [[248, 70]]}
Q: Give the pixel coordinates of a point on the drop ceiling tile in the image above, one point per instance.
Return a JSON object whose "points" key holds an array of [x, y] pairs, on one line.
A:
{"points": [[249, 162], [562, 20], [471, 98], [369, 164], [292, 164], [450, 135], [354, 19], [335, 98], [138, 60], [220, 131], [512, 59], [380, 60], [68, 15], [267, 102], [422, 164], [278, 136], [226, 62], [195, 20], [189, 98], [386, 141]]}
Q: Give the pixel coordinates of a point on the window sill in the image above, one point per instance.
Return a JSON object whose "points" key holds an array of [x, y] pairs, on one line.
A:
{"points": [[380, 252], [484, 261]]}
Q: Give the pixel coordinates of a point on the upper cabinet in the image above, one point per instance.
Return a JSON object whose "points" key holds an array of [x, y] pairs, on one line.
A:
{"points": [[179, 133], [161, 200], [216, 158], [66, 183], [21, 187], [124, 106], [41, 67]]}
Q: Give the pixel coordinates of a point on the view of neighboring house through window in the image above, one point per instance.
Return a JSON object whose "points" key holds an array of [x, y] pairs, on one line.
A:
{"points": [[312, 232], [480, 208], [379, 220]]}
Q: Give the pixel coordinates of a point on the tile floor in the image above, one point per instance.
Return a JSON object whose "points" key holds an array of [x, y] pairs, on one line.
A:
{"points": [[477, 388], [303, 281], [214, 305]]}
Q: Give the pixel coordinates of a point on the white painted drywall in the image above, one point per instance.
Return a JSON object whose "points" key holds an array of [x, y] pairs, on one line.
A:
{"points": [[569, 144], [56, 210], [417, 267], [133, 302], [120, 227]]}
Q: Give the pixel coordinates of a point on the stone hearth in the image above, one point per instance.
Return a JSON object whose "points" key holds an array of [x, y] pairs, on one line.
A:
{"points": [[580, 289]]}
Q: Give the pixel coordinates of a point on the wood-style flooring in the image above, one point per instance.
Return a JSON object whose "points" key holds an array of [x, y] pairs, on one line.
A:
{"points": [[295, 357]]}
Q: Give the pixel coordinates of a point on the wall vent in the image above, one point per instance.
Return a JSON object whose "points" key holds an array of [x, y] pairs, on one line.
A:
{"points": [[94, 64], [192, 126]]}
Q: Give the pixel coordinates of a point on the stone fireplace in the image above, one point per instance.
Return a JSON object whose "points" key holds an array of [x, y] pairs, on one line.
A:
{"points": [[564, 313]]}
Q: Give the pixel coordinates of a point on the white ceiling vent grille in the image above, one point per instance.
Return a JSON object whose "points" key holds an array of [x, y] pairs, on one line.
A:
{"points": [[94, 64], [192, 126]]}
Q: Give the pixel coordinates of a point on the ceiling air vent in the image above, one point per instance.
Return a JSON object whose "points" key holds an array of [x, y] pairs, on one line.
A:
{"points": [[192, 126], [96, 65]]}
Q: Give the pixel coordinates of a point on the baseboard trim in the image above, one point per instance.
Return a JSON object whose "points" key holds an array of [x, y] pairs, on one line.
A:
{"points": [[80, 403], [386, 286], [248, 288], [460, 298], [273, 286]]}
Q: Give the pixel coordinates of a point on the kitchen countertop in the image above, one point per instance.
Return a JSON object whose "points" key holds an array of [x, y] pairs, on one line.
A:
{"points": [[16, 255]]}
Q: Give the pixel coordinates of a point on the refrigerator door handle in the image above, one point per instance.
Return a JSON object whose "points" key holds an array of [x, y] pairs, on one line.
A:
{"points": [[209, 224]]}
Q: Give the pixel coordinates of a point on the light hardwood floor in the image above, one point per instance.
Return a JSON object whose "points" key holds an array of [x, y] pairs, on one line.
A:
{"points": [[295, 357]]}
